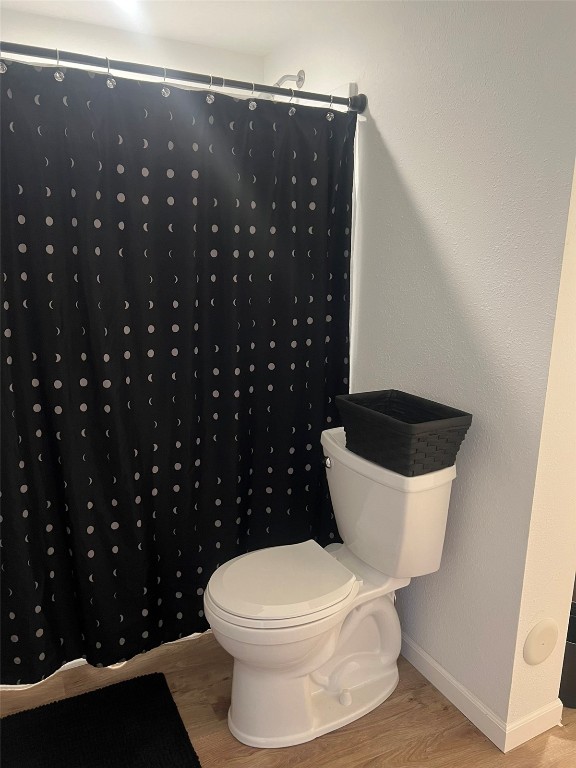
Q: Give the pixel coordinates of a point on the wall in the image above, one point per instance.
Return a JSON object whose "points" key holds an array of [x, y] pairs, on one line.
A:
{"points": [[551, 553], [118, 44], [464, 168]]}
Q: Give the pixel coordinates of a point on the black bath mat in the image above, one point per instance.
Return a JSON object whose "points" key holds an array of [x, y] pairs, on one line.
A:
{"points": [[134, 724]]}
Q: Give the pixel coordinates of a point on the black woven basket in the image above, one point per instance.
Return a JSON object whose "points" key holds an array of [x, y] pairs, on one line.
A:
{"points": [[402, 432]]}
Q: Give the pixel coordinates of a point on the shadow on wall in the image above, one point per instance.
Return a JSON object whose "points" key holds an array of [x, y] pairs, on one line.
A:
{"points": [[437, 319]]}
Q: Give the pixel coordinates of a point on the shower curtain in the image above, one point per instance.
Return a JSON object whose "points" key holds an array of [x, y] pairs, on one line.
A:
{"points": [[175, 329]]}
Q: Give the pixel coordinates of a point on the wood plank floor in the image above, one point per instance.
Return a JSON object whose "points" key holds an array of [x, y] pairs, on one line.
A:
{"points": [[415, 727]]}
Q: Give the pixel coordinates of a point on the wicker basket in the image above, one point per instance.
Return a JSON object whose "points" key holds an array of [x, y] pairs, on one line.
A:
{"points": [[402, 432]]}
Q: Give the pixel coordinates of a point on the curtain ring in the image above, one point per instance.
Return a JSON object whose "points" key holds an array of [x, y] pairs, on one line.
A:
{"points": [[349, 101], [110, 82], [165, 90], [330, 114], [58, 75], [292, 110], [210, 96], [252, 104]]}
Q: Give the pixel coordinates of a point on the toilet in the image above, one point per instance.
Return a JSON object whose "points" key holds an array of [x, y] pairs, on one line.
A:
{"points": [[314, 632]]}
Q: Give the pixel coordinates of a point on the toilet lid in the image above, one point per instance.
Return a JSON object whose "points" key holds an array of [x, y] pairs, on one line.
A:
{"points": [[281, 582]]}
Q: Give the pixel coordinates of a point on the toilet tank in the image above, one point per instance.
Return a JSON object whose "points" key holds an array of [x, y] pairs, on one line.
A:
{"points": [[394, 523]]}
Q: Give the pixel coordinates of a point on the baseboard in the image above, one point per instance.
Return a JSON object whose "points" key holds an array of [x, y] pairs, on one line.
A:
{"points": [[505, 736]]}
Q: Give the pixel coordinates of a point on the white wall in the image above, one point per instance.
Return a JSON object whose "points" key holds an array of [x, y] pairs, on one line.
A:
{"points": [[464, 169], [119, 44], [551, 553]]}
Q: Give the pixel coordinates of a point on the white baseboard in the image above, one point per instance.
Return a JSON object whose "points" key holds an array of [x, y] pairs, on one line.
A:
{"points": [[505, 736]]}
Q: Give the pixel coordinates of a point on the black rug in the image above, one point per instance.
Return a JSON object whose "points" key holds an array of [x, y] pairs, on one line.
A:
{"points": [[134, 724]]}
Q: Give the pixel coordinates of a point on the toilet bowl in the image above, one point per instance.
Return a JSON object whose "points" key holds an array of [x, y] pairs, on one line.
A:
{"points": [[301, 675], [314, 633]]}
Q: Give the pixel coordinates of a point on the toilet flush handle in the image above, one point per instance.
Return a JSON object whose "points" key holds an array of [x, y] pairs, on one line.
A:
{"points": [[327, 462]]}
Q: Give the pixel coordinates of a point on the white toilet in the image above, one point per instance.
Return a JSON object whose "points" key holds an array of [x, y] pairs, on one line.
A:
{"points": [[314, 632]]}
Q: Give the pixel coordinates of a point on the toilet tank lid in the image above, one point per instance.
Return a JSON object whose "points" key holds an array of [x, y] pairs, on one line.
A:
{"points": [[281, 582]]}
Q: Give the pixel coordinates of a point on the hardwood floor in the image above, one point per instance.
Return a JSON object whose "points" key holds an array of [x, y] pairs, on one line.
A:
{"points": [[415, 727]]}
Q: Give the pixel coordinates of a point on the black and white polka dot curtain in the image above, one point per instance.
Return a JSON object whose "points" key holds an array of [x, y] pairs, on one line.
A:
{"points": [[175, 328]]}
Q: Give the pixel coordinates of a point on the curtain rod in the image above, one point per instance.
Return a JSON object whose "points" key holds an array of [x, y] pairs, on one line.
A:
{"points": [[356, 103]]}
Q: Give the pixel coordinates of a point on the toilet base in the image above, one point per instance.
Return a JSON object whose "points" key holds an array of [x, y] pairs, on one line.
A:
{"points": [[329, 711], [293, 693]]}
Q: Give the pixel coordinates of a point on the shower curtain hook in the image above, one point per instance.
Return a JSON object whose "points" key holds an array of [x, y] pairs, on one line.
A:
{"points": [[165, 90], [252, 104], [110, 82], [330, 114], [292, 110], [58, 75], [210, 96]]}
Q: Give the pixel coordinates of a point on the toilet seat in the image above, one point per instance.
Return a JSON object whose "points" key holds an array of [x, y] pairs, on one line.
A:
{"points": [[281, 587]]}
